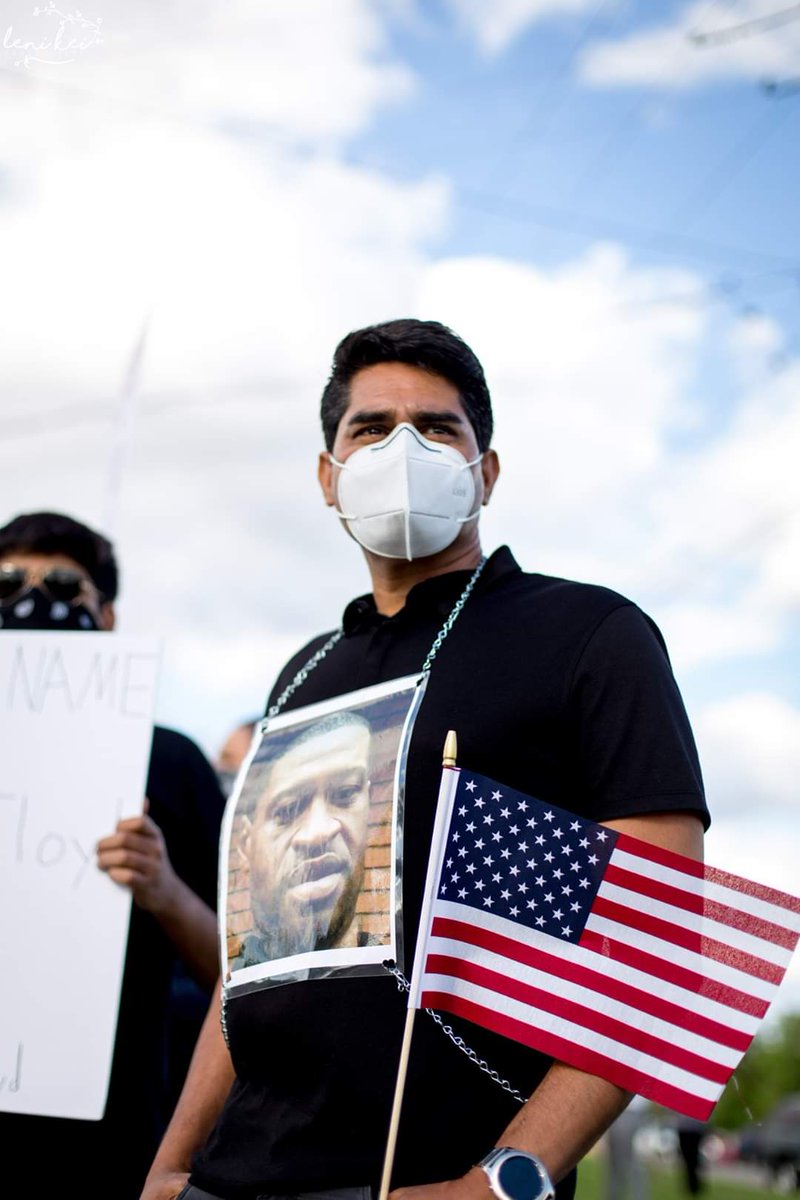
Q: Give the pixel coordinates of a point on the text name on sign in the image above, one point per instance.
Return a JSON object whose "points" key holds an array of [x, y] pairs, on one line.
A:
{"points": [[26, 844], [41, 679]]}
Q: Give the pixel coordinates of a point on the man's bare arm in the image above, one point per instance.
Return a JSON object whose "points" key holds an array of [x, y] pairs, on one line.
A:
{"points": [[135, 856], [207, 1085], [570, 1109]]}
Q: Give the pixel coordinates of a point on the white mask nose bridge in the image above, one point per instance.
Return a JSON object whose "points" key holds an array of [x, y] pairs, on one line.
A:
{"points": [[406, 427]]}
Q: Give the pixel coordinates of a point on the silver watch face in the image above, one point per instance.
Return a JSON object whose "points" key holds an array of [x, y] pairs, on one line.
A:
{"points": [[519, 1178]]}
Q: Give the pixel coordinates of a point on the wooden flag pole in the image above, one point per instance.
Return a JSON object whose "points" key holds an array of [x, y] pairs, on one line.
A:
{"points": [[397, 1104], [448, 760]]}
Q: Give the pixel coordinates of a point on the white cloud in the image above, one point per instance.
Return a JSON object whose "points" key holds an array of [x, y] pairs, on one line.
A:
{"points": [[585, 372], [750, 749], [255, 259], [670, 54], [221, 245], [128, 192], [253, 255], [589, 376], [733, 505], [699, 634], [309, 70], [494, 26], [591, 370]]}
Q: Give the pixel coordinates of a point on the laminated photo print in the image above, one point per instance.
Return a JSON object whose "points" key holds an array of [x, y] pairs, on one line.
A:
{"points": [[310, 853]]}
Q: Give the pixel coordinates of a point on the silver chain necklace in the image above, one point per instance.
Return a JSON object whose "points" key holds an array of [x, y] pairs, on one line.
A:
{"points": [[300, 678], [316, 658]]}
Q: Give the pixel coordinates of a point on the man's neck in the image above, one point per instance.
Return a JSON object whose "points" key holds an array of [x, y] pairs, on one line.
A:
{"points": [[393, 578]]}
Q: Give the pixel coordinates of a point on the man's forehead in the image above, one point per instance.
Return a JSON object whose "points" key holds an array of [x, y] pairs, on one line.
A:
{"points": [[33, 559], [395, 383], [328, 750]]}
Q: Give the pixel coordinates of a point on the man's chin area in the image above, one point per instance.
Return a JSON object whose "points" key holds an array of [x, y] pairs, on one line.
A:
{"points": [[316, 910], [318, 888]]}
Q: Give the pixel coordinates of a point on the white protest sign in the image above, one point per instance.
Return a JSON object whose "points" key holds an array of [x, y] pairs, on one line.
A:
{"points": [[76, 713]]}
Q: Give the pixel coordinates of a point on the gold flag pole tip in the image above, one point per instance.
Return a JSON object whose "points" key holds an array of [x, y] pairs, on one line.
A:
{"points": [[450, 749]]}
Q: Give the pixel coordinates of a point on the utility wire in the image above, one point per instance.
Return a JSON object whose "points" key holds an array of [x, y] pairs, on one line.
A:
{"points": [[726, 289], [746, 29], [620, 139], [727, 168], [544, 106], [583, 224], [545, 102], [622, 136]]}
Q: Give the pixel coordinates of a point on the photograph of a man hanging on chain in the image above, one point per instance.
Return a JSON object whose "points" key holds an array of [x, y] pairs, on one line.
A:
{"points": [[309, 868]]}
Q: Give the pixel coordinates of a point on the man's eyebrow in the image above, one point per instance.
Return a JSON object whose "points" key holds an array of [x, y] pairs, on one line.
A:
{"points": [[292, 792], [426, 417]]}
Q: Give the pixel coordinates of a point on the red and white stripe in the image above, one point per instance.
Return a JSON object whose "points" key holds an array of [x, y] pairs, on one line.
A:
{"points": [[662, 996]]}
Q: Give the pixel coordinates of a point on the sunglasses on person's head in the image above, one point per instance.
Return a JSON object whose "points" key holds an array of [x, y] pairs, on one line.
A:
{"points": [[58, 583]]}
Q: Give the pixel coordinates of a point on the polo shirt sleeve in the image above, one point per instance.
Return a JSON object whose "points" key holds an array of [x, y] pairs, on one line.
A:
{"points": [[636, 751]]}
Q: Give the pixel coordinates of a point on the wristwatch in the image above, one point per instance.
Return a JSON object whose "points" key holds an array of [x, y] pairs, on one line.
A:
{"points": [[516, 1175]]}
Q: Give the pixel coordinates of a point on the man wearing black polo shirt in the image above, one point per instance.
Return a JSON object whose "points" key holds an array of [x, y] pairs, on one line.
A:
{"points": [[562, 690]]}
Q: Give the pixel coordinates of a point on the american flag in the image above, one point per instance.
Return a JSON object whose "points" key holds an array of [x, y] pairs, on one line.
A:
{"points": [[620, 958]]}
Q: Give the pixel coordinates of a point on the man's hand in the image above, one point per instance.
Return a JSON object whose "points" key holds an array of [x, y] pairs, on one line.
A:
{"points": [[472, 1186], [135, 856], [165, 1186]]}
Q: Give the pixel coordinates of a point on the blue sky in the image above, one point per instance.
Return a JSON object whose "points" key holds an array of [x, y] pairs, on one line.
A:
{"points": [[517, 129], [604, 208]]}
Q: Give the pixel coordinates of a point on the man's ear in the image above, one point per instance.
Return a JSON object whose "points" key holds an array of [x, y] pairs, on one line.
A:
{"points": [[245, 840], [490, 469], [108, 617], [325, 477]]}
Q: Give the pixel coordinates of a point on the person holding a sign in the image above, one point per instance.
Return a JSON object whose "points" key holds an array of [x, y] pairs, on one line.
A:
{"points": [[57, 574], [563, 690]]}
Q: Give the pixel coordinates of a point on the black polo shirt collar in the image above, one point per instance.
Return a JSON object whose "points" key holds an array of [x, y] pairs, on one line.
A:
{"points": [[431, 595]]}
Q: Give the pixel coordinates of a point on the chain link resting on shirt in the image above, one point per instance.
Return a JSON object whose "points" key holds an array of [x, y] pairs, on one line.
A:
{"points": [[304, 673], [453, 617], [404, 986], [323, 651]]}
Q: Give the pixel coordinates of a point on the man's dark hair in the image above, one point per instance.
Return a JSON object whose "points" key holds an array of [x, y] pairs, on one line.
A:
{"points": [[55, 533], [426, 344]]}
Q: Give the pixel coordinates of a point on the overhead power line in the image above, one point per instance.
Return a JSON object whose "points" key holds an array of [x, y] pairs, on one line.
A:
{"points": [[731, 164], [745, 29], [621, 137], [587, 225], [549, 98]]}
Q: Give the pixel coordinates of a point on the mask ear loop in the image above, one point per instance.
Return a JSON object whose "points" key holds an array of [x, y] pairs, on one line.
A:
{"points": [[468, 466], [342, 467]]}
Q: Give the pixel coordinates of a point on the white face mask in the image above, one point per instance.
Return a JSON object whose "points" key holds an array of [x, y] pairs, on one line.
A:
{"points": [[405, 497]]}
